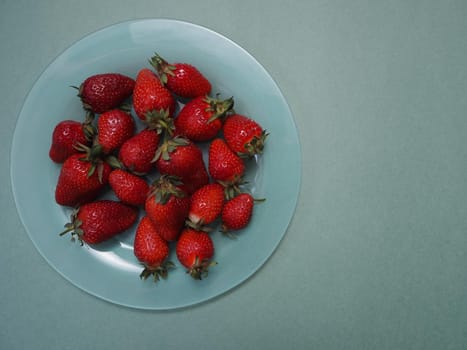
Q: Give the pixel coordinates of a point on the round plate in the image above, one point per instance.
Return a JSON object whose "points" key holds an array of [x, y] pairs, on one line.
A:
{"points": [[110, 271]]}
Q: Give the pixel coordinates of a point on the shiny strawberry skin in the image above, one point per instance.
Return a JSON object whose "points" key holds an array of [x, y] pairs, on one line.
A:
{"points": [[169, 217], [150, 95], [237, 212], [224, 164], [194, 250], [206, 204], [114, 127], [182, 161], [75, 186], [149, 247], [187, 81], [66, 135], [137, 152], [243, 135], [129, 188], [103, 92], [103, 219]]}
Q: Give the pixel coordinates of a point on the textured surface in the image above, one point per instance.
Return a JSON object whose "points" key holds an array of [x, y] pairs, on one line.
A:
{"points": [[375, 255]]}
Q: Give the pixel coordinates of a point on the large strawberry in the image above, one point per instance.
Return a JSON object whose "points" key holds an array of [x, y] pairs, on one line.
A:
{"points": [[151, 250], [200, 118], [103, 92], [206, 205], [66, 136], [237, 212], [224, 165], [183, 79], [167, 206], [98, 221], [81, 179], [195, 250], [137, 153], [182, 158], [152, 102], [129, 188], [114, 127], [244, 135]]}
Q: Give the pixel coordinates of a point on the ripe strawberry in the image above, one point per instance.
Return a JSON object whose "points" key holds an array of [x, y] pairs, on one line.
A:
{"points": [[137, 152], [103, 92], [66, 136], [182, 158], [237, 212], [243, 135], [81, 179], [151, 100], [129, 188], [206, 205], [195, 250], [183, 79], [224, 165], [199, 119], [114, 127], [98, 221], [167, 206], [151, 250]]}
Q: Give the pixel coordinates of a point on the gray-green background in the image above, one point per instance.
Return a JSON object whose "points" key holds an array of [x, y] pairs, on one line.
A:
{"points": [[375, 256]]}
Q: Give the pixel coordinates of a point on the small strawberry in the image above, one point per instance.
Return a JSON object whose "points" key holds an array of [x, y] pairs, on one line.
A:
{"points": [[206, 205], [182, 158], [243, 135], [102, 92], [81, 179], [66, 136], [199, 120], [224, 165], [98, 221], [195, 250], [237, 212], [183, 79], [151, 250], [167, 206], [114, 127], [151, 100], [137, 153], [129, 188]]}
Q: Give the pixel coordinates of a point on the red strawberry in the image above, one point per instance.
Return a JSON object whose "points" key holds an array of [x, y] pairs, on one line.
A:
{"points": [[129, 188], [103, 92], [206, 205], [167, 206], [199, 119], [237, 212], [243, 135], [224, 164], [99, 221], [66, 136], [114, 127], [182, 79], [137, 152], [195, 250], [151, 250], [151, 100], [81, 180], [182, 158]]}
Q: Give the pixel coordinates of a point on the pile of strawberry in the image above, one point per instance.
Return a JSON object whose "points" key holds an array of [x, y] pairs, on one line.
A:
{"points": [[153, 162]]}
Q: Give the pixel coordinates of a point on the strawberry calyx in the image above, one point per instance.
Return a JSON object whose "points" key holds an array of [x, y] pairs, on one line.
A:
{"points": [[218, 108], [92, 155], [198, 225], [158, 272], [232, 188], [74, 227], [168, 146], [200, 268], [88, 128], [165, 187], [162, 67], [254, 146], [160, 121]]}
